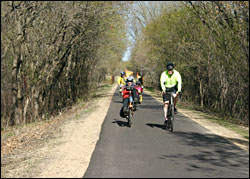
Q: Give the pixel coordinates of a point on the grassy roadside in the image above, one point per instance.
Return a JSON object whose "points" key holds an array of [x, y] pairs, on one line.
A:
{"points": [[16, 137], [22, 147], [243, 131]]}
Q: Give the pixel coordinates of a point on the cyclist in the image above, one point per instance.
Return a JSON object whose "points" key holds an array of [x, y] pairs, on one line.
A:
{"points": [[141, 79], [171, 80], [122, 81], [139, 90], [125, 90]]}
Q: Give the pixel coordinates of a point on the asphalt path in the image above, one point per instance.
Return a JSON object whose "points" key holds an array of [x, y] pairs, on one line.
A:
{"points": [[148, 150]]}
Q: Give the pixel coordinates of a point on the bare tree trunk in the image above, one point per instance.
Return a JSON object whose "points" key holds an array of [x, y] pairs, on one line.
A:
{"points": [[201, 94], [16, 118], [25, 110]]}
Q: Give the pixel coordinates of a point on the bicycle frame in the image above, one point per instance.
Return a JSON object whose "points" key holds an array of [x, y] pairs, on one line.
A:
{"points": [[170, 114], [139, 94], [130, 108], [130, 100]]}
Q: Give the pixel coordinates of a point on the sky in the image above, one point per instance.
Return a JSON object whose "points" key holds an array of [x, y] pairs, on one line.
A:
{"points": [[126, 55]]}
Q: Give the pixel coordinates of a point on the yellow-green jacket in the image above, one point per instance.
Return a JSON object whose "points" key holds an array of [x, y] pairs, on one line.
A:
{"points": [[168, 81]]}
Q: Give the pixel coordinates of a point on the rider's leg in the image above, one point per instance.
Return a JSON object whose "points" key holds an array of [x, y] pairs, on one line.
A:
{"points": [[166, 99], [134, 95], [139, 98], [175, 100], [165, 108], [125, 105]]}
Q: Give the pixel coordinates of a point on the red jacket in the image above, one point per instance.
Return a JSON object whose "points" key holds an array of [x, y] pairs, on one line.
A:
{"points": [[125, 92]]}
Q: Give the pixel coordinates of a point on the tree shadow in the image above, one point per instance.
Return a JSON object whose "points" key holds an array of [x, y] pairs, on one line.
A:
{"points": [[199, 139], [115, 101], [239, 141], [153, 106], [211, 151], [146, 97]]}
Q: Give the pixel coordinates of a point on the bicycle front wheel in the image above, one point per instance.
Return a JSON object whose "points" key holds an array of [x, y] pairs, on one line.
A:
{"points": [[171, 123], [172, 119], [130, 117]]}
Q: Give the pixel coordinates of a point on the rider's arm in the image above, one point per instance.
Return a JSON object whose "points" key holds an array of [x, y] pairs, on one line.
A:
{"points": [[179, 80], [119, 80], [162, 81], [124, 81]]}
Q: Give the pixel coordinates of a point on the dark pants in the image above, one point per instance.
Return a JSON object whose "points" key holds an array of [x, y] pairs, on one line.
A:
{"points": [[125, 103], [167, 96]]}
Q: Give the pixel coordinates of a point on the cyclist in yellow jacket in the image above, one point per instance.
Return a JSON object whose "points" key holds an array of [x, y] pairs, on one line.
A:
{"points": [[122, 81], [170, 79]]}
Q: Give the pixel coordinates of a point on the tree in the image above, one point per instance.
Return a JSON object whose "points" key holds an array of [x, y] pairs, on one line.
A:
{"points": [[52, 54]]}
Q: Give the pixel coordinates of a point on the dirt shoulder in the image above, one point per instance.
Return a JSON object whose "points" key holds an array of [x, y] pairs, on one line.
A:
{"points": [[61, 148], [198, 117]]}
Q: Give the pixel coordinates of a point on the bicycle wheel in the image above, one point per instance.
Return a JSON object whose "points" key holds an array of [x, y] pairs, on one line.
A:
{"points": [[130, 117], [171, 121], [167, 124]]}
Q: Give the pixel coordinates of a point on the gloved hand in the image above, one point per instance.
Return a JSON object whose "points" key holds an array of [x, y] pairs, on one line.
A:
{"points": [[179, 93], [129, 88]]}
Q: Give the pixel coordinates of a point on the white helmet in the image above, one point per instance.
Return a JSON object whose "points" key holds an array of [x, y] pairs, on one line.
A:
{"points": [[130, 79]]}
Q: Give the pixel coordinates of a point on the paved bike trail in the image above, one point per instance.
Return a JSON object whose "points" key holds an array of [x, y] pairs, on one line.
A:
{"points": [[147, 150]]}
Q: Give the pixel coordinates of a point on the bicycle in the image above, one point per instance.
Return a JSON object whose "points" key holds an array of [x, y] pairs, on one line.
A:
{"points": [[139, 90], [170, 115], [131, 109], [139, 96]]}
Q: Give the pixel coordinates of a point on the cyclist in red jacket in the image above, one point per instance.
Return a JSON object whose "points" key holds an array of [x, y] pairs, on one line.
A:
{"points": [[125, 91]]}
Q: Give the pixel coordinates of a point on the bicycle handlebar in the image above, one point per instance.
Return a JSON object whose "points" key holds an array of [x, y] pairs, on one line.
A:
{"points": [[179, 94]]}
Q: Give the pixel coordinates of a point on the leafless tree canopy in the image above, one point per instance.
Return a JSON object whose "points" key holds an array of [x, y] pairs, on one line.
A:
{"points": [[53, 53]]}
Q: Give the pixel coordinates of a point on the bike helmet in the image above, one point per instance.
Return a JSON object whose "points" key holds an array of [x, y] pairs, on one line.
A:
{"points": [[122, 73], [170, 66], [138, 83], [130, 79]]}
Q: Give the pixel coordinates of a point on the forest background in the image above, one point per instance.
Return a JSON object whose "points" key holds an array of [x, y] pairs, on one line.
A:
{"points": [[54, 54]]}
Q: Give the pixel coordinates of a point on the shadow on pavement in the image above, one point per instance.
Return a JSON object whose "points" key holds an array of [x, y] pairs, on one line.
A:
{"points": [[115, 101], [120, 123], [209, 149], [151, 106], [161, 126]]}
